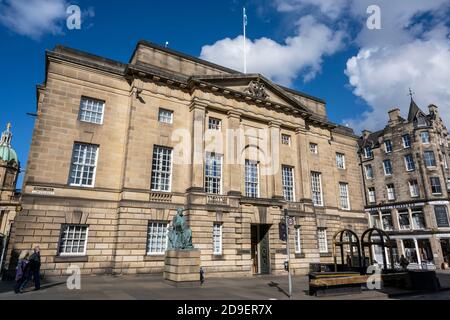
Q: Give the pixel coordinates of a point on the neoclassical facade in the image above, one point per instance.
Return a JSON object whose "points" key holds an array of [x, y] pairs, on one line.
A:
{"points": [[407, 182], [118, 147]]}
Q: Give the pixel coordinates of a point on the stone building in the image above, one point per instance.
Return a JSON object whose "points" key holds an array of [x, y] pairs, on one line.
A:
{"points": [[9, 197], [118, 147], [406, 177]]}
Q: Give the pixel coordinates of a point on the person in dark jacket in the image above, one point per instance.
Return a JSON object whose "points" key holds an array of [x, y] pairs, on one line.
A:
{"points": [[34, 270], [22, 271]]}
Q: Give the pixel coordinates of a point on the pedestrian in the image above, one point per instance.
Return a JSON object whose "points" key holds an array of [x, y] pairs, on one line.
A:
{"points": [[202, 276], [349, 261], [404, 262], [22, 270], [34, 270]]}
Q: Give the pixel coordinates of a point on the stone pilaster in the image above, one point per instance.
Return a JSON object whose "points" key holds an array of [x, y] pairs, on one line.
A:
{"points": [[233, 154], [198, 111], [276, 175]]}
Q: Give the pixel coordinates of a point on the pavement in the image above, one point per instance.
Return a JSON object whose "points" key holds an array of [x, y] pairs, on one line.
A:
{"points": [[153, 287]]}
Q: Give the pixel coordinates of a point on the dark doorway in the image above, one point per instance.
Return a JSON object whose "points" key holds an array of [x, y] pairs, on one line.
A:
{"points": [[260, 249], [445, 244]]}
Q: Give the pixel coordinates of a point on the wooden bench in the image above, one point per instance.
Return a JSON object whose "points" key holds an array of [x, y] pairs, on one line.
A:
{"points": [[329, 284]]}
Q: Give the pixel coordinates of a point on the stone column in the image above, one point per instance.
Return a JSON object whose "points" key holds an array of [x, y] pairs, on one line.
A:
{"points": [[233, 153], [274, 138], [301, 170], [436, 247], [198, 111]]}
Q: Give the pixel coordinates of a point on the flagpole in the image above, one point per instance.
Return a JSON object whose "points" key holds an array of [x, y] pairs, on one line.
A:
{"points": [[245, 41]]}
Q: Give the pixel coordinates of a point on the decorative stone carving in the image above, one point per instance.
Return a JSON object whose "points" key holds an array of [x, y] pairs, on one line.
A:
{"points": [[257, 90]]}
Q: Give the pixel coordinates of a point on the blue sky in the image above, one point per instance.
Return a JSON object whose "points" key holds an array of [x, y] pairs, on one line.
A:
{"points": [[321, 47]]}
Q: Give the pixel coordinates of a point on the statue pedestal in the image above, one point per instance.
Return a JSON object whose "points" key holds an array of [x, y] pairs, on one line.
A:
{"points": [[182, 268]]}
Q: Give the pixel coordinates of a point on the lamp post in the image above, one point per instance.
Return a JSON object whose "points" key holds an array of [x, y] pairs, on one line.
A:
{"points": [[286, 221]]}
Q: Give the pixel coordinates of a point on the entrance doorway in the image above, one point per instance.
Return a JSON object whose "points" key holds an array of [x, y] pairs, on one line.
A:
{"points": [[260, 249]]}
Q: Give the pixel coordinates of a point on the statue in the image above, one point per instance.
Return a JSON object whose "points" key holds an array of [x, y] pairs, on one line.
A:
{"points": [[180, 235]]}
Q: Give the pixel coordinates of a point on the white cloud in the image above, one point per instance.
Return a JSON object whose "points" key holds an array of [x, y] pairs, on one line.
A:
{"points": [[33, 18], [282, 62], [330, 8]]}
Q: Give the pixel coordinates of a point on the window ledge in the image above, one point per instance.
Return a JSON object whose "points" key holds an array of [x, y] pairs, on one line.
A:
{"points": [[217, 257], [65, 259], [326, 255], [154, 257]]}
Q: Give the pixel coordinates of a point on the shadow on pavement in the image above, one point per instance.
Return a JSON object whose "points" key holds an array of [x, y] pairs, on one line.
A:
{"points": [[277, 285]]}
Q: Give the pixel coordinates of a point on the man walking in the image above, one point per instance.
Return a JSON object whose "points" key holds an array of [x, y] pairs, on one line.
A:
{"points": [[34, 266]]}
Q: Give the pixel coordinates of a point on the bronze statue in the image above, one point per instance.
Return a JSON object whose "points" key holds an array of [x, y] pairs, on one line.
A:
{"points": [[180, 235]]}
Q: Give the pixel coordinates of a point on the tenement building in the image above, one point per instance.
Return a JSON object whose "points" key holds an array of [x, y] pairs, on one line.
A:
{"points": [[9, 197], [406, 177], [118, 147]]}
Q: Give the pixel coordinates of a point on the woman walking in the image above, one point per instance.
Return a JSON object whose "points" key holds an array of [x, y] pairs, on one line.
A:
{"points": [[22, 271]]}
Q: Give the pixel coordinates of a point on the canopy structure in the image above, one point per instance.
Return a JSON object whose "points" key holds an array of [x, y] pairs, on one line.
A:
{"points": [[377, 237], [345, 238]]}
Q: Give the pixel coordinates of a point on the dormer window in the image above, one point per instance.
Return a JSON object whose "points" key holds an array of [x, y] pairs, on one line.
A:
{"points": [[421, 121]]}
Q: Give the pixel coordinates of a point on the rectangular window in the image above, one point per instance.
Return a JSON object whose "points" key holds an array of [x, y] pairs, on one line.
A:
{"points": [[288, 183], [430, 159], [251, 179], [313, 148], [368, 153], [414, 189], [441, 216], [448, 184], [372, 195], [84, 162], [215, 124], [403, 219], [436, 187], [409, 163], [406, 141], [323, 240], [425, 137], [316, 188], [375, 220], [286, 139], [418, 219], [387, 165], [157, 239], [340, 160], [298, 240], [388, 146], [369, 172], [386, 218], [444, 158], [165, 116], [213, 173], [73, 240], [344, 196], [390, 192], [162, 169], [217, 238], [91, 110]]}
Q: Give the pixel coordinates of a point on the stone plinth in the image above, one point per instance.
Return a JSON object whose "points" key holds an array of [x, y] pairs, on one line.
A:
{"points": [[182, 268]]}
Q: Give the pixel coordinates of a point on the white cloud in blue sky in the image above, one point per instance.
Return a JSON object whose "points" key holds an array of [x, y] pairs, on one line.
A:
{"points": [[33, 18], [410, 51]]}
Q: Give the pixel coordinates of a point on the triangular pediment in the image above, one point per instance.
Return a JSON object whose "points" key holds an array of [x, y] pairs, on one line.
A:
{"points": [[256, 86]]}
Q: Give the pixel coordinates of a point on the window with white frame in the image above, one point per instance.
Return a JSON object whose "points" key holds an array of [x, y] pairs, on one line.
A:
{"points": [[340, 160], [165, 116], [298, 240], [441, 216], [418, 218], [390, 192], [388, 146], [404, 220], [251, 179], [217, 238], [214, 124], [436, 187], [286, 139], [387, 165], [213, 173], [313, 148], [448, 184], [73, 240], [425, 137], [429, 159], [83, 166], [372, 195], [157, 237], [91, 110], [444, 158], [406, 141], [344, 196], [323, 240], [316, 188], [162, 169], [409, 163], [368, 153], [386, 221], [369, 171], [414, 189], [288, 183]]}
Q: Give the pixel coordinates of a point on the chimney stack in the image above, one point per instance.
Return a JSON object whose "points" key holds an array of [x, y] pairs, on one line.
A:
{"points": [[433, 109], [366, 133], [394, 116]]}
